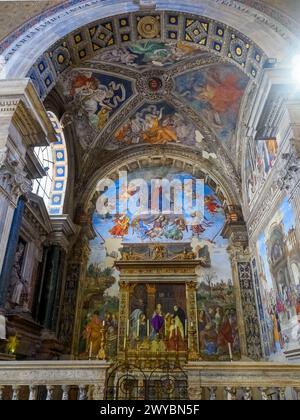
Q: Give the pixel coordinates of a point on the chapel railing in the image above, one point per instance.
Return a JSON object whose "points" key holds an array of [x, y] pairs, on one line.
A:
{"points": [[243, 381], [52, 380], [81, 380]]}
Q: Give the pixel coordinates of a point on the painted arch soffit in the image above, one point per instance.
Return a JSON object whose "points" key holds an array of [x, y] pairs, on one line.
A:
{"points": [[139, 40], [110, 70], [223, 183], [211, 92], [255, 18]]}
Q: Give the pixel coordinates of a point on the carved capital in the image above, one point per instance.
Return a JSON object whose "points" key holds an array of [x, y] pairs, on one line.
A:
{"points": [[239, 252], [13, 179], [236, 233]]}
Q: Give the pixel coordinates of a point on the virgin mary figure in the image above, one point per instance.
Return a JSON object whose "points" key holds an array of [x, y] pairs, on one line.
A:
{"points": [[157, 321]]}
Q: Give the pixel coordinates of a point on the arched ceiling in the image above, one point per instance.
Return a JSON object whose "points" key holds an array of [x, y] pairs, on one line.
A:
{"points": [[150, 79], [201, 168], [19, 14], [273, 31], [147, 79]]}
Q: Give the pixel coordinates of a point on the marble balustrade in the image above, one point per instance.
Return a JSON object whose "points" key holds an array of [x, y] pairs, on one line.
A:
{"points": [[243, 381], [85, 380], [52, 380]]}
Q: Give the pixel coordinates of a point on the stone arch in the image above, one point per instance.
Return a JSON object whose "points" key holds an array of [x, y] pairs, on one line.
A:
{"points": [[273, 32], [221, 183]]}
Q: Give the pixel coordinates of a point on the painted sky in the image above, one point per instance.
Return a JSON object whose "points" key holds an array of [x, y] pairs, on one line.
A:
{"points": [[216, 93], [104, 249]]}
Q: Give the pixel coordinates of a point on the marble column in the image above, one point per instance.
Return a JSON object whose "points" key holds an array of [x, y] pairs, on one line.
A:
{"points": [[72, 298], [51, 288], [11, 250], [248, 321], [58, 290]]}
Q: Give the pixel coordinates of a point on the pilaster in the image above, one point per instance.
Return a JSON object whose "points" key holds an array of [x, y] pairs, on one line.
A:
{"points": [[72, 299], [248, 321]]}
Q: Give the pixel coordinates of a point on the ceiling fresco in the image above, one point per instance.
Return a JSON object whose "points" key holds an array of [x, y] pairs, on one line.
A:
{"points": [[148, 54], [155, 124], [120, 38], [154, 107], [149, 80], [215, 93], [94, 98]]}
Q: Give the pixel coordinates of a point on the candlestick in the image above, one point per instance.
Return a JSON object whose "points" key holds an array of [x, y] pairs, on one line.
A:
{"points": [[91, 350], [125, 342], [128, 327], [148, 328], [230, 352]]}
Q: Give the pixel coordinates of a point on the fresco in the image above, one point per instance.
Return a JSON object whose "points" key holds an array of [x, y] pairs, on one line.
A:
{"points": [[164, 315], [259, 166], [155, 124], [279, 274], [149, 53], [216, 93], [161, 324], [95, 96]]}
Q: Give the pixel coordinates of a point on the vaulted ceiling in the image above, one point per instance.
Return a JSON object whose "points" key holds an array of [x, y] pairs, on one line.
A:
{"points": [[148, 80], [13, 14]]}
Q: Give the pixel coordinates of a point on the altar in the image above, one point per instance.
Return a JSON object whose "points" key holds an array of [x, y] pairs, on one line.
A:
{"points": [[158, 303]]}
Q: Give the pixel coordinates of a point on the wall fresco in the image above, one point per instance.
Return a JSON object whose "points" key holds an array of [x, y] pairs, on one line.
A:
{"points": [[279, 264], [166, 313]]}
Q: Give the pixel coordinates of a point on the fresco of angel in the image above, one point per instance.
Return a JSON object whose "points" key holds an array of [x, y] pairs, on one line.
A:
{"points": [[95, 99], [121, 227], [211, 204]]}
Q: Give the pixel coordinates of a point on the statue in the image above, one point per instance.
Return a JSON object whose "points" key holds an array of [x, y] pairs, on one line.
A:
{"points": [[18, 287], [185, 255], [159, 252], [131, 256]]}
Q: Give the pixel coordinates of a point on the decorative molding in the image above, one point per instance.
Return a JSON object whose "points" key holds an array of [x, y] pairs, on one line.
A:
{"points": [[164, 155], [20, 102], [13, 182], [84, 44], [251, 320], [289, 175], [260, 12], [36, 213], [63, 231]]}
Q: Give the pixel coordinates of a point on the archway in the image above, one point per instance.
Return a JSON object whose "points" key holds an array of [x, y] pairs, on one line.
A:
{"points": [[128, 237]]}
